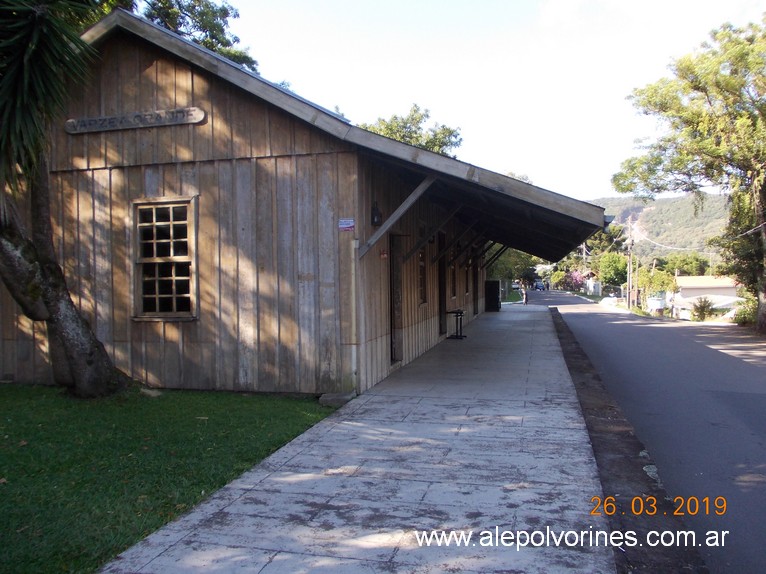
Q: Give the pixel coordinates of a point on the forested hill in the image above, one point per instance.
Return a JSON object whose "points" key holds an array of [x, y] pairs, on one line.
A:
{"points": [[669, 222]]}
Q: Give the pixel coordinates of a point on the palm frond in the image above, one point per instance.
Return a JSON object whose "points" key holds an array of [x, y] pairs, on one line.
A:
{"points": [[40, 54]]}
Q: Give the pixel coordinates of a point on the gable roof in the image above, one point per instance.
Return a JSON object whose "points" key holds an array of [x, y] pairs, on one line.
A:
{"points": [[704, 282], [503, 209]]}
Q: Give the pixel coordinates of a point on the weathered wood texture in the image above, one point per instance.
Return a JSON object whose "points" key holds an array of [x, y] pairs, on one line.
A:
{"points": [[419, 321], [269, 189], [270, 312], [284, 301]]}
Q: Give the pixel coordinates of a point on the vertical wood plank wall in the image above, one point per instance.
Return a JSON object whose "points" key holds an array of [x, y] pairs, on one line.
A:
{"points": [[284, 302], [23, 342], [268, 187], [420, 321]]}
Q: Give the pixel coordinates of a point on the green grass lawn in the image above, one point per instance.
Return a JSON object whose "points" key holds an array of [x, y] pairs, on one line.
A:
{"points": [[82, 480], [513, 296]]}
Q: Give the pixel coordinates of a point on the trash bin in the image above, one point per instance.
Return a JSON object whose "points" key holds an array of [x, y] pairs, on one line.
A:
{"points": [[492, 295]]}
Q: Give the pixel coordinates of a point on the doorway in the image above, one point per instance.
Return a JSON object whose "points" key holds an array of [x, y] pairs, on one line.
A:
{"points": [[395, 294], [475, 274], [442, 271]]}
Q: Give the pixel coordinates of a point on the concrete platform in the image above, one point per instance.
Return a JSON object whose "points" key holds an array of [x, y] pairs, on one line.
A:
{"points": [[482, 435]]}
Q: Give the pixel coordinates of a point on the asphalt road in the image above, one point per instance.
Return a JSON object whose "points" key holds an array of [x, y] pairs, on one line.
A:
{"points": [[696, 396]]}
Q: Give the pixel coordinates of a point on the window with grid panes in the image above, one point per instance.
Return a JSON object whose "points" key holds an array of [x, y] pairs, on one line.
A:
{"points": [[166, 274]]}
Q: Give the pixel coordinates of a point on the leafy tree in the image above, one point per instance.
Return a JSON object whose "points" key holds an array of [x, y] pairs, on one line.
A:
{"points": [[514, 264], [411, 130], [613, 268], [651, 282], [742, 248], [572, 261], [714, 109], [610, 239], [686, 263], [558, 278], [528, 276], [746, 311], [571, 281], [544, 271], [702, 308], [511, 265], [203, 22], [576, 280], [40, 54], [603, 243], [102, 8]]}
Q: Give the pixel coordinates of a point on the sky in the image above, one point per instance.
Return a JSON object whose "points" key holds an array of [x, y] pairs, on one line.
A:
{"points": [[537, 87]]}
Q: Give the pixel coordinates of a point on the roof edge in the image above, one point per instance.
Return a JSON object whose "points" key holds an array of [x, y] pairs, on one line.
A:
{"points": [[335, 124], [453, 167], [209, 61]]}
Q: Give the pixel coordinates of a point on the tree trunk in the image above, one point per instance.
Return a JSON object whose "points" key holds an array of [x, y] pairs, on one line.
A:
{"points": [[760, 216], [760, 319], [20, 270], [79, 360], [62, 374]]}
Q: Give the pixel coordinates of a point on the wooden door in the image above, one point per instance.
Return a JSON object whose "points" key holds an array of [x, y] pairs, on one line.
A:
{"points": [[395, 294]]}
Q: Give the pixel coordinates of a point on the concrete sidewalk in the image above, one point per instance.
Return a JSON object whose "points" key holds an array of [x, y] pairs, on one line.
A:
{"points": [[483, 434]]}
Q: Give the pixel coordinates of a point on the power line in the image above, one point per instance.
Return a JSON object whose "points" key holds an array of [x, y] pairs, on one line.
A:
{"points": [[753, 230], [644, 237]]}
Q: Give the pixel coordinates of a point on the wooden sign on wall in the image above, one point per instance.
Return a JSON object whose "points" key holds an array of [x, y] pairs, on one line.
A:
{"points": [[135, 120]]}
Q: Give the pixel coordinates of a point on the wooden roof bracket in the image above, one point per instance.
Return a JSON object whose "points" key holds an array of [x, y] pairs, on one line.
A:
{"points": [[495, 257], [484, 250], [462, 249], [452, 243], [467, 251], [397, 215], [431, 232]]}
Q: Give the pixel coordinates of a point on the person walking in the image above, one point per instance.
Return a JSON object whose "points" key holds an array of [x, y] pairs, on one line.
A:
{"points": [[524, 294]]}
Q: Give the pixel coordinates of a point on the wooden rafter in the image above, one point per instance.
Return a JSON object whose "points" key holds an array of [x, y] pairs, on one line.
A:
{"points": [[397, 215], [431, 232]]}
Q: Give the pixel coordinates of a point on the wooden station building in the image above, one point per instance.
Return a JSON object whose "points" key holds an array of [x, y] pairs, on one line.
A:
{"points": [[220, 232]]}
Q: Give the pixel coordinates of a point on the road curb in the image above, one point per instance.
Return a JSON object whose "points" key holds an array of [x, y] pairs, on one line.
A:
{"points": [[625, 469]]}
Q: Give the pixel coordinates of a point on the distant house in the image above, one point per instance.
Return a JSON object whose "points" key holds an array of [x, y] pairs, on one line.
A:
{"points": [[691, 286], [720, 291], [220, 232]]}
